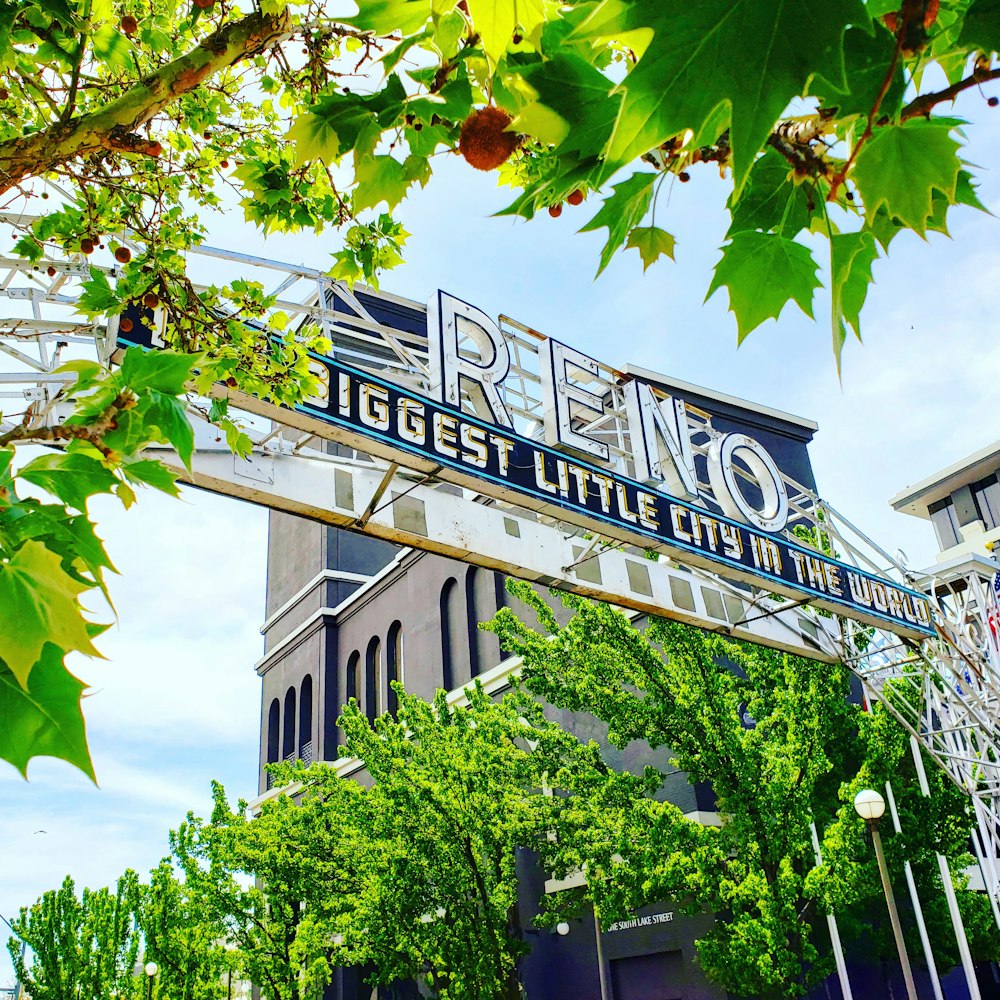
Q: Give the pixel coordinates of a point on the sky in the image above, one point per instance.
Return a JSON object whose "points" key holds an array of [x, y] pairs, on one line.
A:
{"points": [[176, 702]]}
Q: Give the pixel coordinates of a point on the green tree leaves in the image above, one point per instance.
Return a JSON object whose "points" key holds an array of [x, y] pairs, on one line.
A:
{"points": [[652, 243], [781, 746], [43, 718], [692, 60], [763, 272], [82, 946], [902, 166], [851, 259], [50, 555], [73, 477], [622, 212], [981, 26], [40, 596]]}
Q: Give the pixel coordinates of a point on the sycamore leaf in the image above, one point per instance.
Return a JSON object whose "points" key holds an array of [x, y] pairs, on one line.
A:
{"points": [[770, 201], [111, 46], [965, 192], [752, 57], [165, 371], [495, 20], [652, 243], [166, 414], [763, 272], [38, 599], [868, 56], [981, 27], [851, 259], [573, 107], [902, 166], [87, 372], [97, 297], [380, 178], [622, 212], [71, 476], [44, 719], [338, 122], [126, 494], [314, 138], [383, 17], [152, 473], [27, 246]]}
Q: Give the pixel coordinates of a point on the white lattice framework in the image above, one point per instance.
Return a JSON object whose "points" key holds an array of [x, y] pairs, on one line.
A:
{"points": [[944, 690]]}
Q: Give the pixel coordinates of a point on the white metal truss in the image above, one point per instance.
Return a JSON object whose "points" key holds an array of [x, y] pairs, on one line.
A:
{"points": [[944, 690]]}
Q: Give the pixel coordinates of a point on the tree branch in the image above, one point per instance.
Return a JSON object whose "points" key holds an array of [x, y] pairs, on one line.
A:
{"points": [[841, 175], [34, 154], [922, 105], [92, 432]]}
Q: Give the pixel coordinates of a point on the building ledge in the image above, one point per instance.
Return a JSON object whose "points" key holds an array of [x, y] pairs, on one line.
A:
{"points": [[917, 498]]}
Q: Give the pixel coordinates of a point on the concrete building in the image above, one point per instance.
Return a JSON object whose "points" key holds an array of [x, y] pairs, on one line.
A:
{"points": [[348, 614], [962, 502]]}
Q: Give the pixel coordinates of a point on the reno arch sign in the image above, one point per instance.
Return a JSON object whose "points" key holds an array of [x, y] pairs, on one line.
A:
{"points": [[609, 453], [658, 429]]}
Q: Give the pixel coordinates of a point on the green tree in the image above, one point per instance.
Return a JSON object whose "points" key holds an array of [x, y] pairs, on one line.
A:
{"points": [[255, 879], [183, 939], [83, 946], [938, 823], [122, 123], [460, 794], [781, 746]]}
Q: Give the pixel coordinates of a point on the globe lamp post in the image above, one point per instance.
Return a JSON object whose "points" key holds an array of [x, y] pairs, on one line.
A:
{"points": [[870, 806], [151, 969]]}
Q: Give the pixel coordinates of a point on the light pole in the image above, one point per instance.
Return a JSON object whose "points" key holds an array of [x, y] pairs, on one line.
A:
{"points": [[870, 806], [151, 969]]}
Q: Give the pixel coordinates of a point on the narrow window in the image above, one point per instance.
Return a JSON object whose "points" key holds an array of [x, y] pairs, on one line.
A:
{"points": [[987, 497], [945, 523], [394, 665], [353, 684], [373, 679], [273, 731], [306, 720], [447, 652], [331, 701], [288, 734]]}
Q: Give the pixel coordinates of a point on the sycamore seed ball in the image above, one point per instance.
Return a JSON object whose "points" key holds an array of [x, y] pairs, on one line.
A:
{"points": [[484, 142]]}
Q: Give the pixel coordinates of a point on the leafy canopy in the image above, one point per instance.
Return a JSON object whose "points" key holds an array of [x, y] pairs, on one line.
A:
{"points": [[123, 123], [781, 745]]}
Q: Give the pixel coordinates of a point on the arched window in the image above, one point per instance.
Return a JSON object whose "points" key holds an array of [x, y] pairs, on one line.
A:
{"points": [[394, 665], [472, 621], [447, 664], [454, 637], [481, 605], [273, 731], [288, 729], [306, 719], [373, 678], [353, 685], [331, 701]]}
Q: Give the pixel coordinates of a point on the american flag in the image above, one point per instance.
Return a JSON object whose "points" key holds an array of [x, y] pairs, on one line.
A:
{"points": [[993, 620]]}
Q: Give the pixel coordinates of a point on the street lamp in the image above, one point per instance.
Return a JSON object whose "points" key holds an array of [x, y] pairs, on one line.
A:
{"points": [[870, 806], [151, 969]]}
